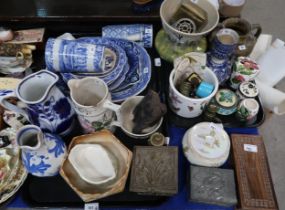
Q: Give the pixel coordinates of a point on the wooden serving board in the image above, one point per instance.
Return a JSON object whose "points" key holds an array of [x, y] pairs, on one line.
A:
{"points": [[254, 181]]}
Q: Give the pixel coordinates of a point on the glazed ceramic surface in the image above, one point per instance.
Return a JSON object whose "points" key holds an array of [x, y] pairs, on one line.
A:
{"points": [[139, 74], [226, 101], [13, 173], [121, 158], [247, 90], [14, 65], [222, 68], [206, 144], [92, 163], [125, 116], [139, 33], [190, 107], [248, 109], [71, 56], [224, 44], [244, 69], [44, 102], [231, 8], [167, 11], [88, 96], [42, 153]]}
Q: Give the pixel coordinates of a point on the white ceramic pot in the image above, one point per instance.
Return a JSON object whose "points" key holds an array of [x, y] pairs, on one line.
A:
{"points": [[206, 144], [168, 9], [190, 107]]}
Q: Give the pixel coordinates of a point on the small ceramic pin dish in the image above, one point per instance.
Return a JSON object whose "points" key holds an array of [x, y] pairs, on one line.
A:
{"points": [[206, 144], [247, 90], [156, 139], [97, 165], [226, 101]]}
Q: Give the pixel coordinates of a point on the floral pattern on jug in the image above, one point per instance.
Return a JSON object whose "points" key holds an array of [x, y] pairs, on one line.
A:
{"points": [[42, 153]]}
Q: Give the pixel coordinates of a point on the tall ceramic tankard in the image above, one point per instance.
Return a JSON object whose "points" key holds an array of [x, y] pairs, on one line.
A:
{"points": [[44, 104]]}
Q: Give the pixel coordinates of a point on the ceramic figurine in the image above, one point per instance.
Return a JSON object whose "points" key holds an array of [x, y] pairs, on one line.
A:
{"points": [[206, 144], [148, 112], [45, 105], [204, 14], [88, 96], [227, 101], [139, 33], [244, 69], [42, 153]]}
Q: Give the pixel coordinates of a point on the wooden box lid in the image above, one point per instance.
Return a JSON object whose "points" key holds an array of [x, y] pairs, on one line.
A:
{"points": [[254, 182]]}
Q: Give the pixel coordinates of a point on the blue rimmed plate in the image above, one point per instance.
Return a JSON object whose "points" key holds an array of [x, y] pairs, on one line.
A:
{"points": [[139, 74]]}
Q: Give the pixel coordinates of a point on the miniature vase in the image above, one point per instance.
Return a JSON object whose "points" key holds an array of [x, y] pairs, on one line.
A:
{"points": [[42, 153]]}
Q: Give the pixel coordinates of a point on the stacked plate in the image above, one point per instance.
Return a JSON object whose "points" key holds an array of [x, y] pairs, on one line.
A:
{"points": [[128, 76]]}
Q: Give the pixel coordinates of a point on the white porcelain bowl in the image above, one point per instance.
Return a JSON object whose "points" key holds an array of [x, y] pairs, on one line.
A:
{"points": [[168, 9]]}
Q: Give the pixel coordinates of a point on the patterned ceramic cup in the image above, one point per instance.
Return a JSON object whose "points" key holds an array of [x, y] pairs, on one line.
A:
{"points": [[140, 33], [224, 44], [190, 107], [247, 110]]}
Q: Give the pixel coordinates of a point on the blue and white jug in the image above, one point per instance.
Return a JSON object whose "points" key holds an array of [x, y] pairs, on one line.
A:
{"points": [[42, 153], [44, 104]]}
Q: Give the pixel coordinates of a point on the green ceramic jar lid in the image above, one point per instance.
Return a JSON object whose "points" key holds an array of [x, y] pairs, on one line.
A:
{"points": [[226, 98], [169, 50]]}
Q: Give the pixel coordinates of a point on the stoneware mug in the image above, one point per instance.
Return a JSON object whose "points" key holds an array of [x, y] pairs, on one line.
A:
{"points": [[248, 34], [88, 96], [231, 8]]}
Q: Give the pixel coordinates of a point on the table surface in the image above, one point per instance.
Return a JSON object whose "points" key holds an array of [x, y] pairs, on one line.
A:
{"points": [[177, 202]]}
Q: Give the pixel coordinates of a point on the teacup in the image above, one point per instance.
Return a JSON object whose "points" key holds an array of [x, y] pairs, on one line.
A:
{"points": [[139, 33], [224, 44]]}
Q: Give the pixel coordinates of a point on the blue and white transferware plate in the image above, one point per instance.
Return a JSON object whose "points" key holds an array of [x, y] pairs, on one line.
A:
{"points": [[139, 74]]}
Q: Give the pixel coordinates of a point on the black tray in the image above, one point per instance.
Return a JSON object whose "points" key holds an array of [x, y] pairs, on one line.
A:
{"points": [[229, 121]]}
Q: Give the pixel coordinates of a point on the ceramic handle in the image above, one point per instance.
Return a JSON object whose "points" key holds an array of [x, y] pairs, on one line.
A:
{"points": [[4, 95], [116, 108], [258, 29]]}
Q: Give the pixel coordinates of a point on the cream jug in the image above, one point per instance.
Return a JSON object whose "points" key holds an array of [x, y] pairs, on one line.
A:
{"points": [[44, 104]]}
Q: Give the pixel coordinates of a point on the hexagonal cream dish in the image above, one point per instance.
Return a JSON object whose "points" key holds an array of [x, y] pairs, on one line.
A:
{"points": [[92, 163]]}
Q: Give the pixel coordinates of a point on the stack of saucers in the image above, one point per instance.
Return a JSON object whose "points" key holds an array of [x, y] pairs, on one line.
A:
{"points": [[123, 65]]}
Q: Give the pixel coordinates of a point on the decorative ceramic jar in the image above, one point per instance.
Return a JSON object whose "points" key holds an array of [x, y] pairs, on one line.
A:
{"points": [[45, 105], [244, 69], [222, 68], [206, 144], [247, 110], [42, 153], [227, 101], [247, 90]]}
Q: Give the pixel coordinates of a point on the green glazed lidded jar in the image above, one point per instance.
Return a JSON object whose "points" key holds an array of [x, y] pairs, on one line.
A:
{"points": [[227, 101]]}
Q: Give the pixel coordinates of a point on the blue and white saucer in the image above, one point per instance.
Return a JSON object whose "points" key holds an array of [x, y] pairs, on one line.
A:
{"points": [[139, 74]]}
